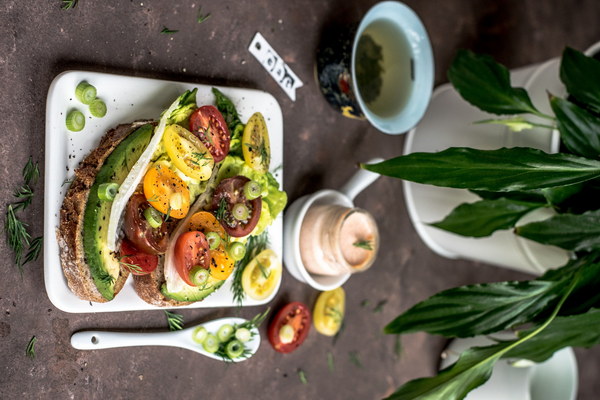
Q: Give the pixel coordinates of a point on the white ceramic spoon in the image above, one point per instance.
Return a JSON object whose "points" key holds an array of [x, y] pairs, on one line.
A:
{"points": [[92, 340]]}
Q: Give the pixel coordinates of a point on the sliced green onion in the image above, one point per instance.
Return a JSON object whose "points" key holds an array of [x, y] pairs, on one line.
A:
{"points": [[236, 250], [85, 93], [214, 240], [286, 334], [199, 334], [252, 190], [108, 191], [211, 343], [153, 216], [199, 275], [225, 332], [234, 349], [243, 335], [75, 121], [240, 212], [98, 108]]}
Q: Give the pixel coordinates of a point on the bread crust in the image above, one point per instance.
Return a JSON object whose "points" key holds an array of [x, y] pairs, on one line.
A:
{"points": [[69, 233]]}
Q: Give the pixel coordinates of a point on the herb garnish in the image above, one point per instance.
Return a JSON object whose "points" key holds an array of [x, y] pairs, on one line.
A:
{"points": [[168, 214], [168, 31], [330, 363], [31, 172], [364, 244], [129, 266], [174, 320], [106, 278], [35, 246], [302, 376], [254, 246], [68, 4], [17, 235], [153, 198], [252, 326], [355, 359], [199, 157], [221, 210], [202, 17], [30, 349]]}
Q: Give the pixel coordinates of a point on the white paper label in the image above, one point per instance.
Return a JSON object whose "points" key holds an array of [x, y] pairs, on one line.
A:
{"points": [[273, 63]]}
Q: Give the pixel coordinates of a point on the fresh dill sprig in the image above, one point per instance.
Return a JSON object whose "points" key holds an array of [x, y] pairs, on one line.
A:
{"points": [[255, 245], [221, 210], [31, 172], [330, 363], [16, 233], [379, 307], [168, 31], [153, 198], [355, 359], [364, 244], [68, 4], [130, 267], [334, 313], [106, 278], [200, 157], [34, 250], [302, 376], [337, 335], [174, 320], [168, 214], [202, 17], [30, 349], [25, 194]]}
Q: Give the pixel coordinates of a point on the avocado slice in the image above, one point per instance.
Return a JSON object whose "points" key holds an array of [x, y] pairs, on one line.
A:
{"points": [[103, 264], [193, 293]]}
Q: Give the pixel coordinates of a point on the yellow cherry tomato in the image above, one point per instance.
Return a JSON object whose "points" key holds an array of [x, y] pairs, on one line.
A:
{"points": [[166, 191], [262, 275], [188, 153], [221, 264], [255, 144], [328, 313]]}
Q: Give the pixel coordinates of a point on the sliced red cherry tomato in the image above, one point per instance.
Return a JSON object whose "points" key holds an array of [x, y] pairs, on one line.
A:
{"points": [[191, 250], [144, 237], [208, 124], [135, 261], [289, 328], [228, 194]]}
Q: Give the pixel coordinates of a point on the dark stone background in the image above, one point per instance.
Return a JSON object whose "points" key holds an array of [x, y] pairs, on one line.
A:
{"points": [[38, 40]]}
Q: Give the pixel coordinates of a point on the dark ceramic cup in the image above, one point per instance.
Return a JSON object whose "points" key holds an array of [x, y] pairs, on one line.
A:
{"points": [[381, 70]]}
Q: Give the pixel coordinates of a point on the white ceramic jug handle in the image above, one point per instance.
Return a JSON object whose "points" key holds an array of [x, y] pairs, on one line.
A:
{"points": [[360, 180]]}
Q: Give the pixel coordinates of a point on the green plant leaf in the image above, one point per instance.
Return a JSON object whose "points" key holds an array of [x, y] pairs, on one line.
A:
{"points": [[581, 76], [473, 368], [478, 309], [484, 217], [515, 169], [486, 84], [568, 231], [575, 331], [579, 129]]}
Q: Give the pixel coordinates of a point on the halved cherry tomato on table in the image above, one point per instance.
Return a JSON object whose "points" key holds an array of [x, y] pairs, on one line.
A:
{"points": [[228, 199], [261, 275], [137, 229], [255, 144], [135, 261], [221, 264], [166, 191], [289, 328], [188, 153], [328, 313], [191, 250], [208, 124]]}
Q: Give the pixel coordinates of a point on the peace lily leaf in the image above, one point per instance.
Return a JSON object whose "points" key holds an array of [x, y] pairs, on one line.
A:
{"points": [[558, 194], [478, 309], [581, 76], [492, 170], [473, 368], [534, 196], [579, 129], [484, 217], [575, 331], [568, 231], [486, 84]]}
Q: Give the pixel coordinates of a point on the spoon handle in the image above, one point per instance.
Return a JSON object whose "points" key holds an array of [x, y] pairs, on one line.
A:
{"points": [[90, 340]]}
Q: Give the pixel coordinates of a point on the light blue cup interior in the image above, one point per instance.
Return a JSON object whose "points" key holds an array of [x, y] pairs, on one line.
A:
{"points": [[409, 23]]}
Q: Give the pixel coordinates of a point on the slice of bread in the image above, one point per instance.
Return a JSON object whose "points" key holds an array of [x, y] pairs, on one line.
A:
{"points": [[69, 233]]}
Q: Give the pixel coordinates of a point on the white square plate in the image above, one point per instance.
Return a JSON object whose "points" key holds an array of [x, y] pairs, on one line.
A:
{"points": [[129, 99]]}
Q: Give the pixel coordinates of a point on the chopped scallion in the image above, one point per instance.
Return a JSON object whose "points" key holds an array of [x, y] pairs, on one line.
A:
{"points": [[75, 121]]}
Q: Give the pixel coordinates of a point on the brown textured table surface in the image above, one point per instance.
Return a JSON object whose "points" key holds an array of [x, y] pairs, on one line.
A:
{"points": [[38, 40]]}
